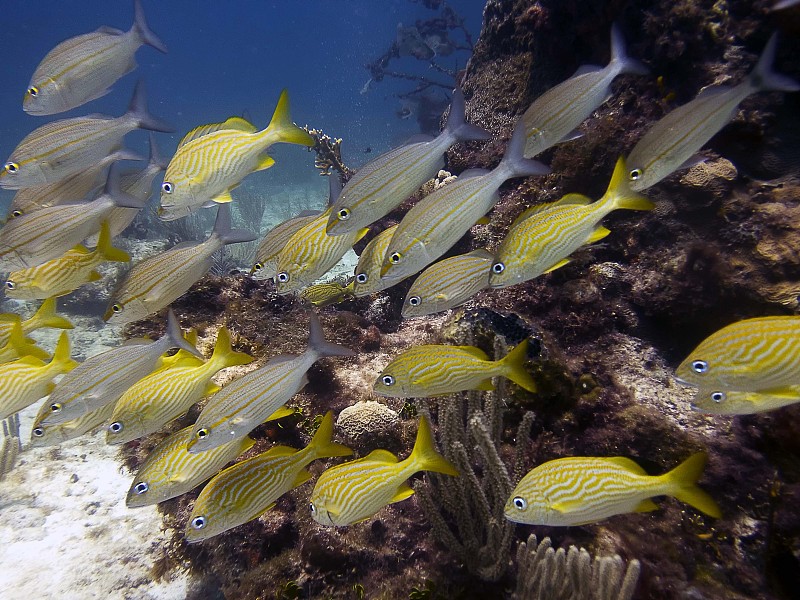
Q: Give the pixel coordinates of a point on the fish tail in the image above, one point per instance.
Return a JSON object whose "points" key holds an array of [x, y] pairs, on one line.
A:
{"points": [[224, 354], [137, 111], [104, 248], [175, 335], [321, 445], [222, 227], [424, 456], [61, 356], [281, 124], [46, 317], [514, 159], [114, 191], [334, 187], [318, 344], [142, 31], [457, 121], [683, 484], [156, 158], [514, 363], [764, 78], [623, 62], [20, 343], [620, 194]]}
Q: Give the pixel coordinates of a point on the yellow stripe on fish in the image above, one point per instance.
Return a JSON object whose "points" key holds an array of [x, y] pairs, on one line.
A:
{"points": [[18, 345], [582, 490], [45, 316], [448, 283], [169, 470], [356, 490], [368, 270], [249, 488], [167, 393], [542, 237], [327, 293], [718, 402], [748, 356], [51, 435], [435, 370], [266, 262]]}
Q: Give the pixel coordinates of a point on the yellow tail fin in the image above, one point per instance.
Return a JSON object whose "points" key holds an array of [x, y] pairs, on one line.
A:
{"points": [[18, 345], [619, 191], [281, 124], [424, 455], [104, 248], [62, 361], [224, 355], [514, 363], [46, 317], [684, 481], [321, 445]]}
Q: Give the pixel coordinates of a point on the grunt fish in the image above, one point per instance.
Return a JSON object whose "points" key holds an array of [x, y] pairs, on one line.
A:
{"points": [[266, 265], [671, 143], [325, 294], [436, 370], [45, 316], [51, 435], [18, 345], [248, 401], [158, 281], [542, 237], [356, 490], [249, 488], [368, 270], [383, 183], [583, 490], [718, 402]]}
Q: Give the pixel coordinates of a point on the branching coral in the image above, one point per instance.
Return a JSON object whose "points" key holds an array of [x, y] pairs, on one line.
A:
{"points": [[329, 153]]}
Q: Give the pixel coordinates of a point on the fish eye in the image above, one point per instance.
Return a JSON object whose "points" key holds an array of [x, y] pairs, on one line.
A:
{"points": [[343, 214], [699, 366], [387, 380], [55, 407], [718, 396], [16, 213], [395, 258], [520, 503], [414, 300], [115, 427], [198, 522], [11, 167], [202, 433], [38, 431], [117, 308], [313, 508], [10, 285], [498, 268], [635, 174], [141, 487], [362, 278], [258, 267], [283, 277], [33, 91], [166, 187]]}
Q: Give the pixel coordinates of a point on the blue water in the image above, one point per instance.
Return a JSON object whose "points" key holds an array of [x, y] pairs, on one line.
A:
{"points": [[234, 58]]}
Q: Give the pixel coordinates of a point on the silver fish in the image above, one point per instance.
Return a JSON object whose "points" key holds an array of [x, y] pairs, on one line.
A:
{"points": [[266, 264], [368, 270]]}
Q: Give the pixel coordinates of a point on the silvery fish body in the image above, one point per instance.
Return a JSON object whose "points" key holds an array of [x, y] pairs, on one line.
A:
{"points": [[84, 67], [752, 355], [554, 116], [368, 270], [717, 402], [448, 283], [61, 148], [382, 184], [266, 263], [674, 140], [52, 435]]}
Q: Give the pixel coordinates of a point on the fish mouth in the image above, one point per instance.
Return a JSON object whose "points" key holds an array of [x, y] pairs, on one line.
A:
{"points": [[683, 381]]}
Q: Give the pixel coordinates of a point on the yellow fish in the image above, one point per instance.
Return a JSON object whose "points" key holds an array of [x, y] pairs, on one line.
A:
{"points": [[51, 435], [356, 490], [368, 270], [436, 370], [63, 275], [582, 490], [275, 239], [205, 169], [17, 345], [730, 402], [249, 488], [24, 381], [327, 293], [44, 317]]}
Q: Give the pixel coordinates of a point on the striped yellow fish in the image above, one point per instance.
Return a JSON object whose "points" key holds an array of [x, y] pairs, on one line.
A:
{"points": [[582, 490], [169, 470], [439, 220], [436, 370], [542, 237], [18, 345], [325, 294], [24, 381], [159, 280], [310, 253], [168, 393], [266, 265], [448, 283], [103, 378], [356, 490], [205, 169], [746, 356], [555, 115], [64, 147], [45, 316], [248, 401], [51, 435], [235, 123], [85, 67], [718, 402], [671, 143], [382, 184], [49, 233], [63, 275], [249, 488], [368, 270]]}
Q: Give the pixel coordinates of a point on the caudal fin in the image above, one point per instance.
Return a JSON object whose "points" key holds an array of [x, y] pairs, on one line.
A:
{"points": [[137, 110], [514, 160], [683, 480], [156, 158], [318, 344], [114, 191], [222, 227], [619, 193], [623, 62], [514, 362], [224, 355], [143, 31], [175, 337], [104, 248], [21, 346], [764, 78], [424, 456], [46, 317], [281, 124], [321, 445], [62, 361], [457, 121]]}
